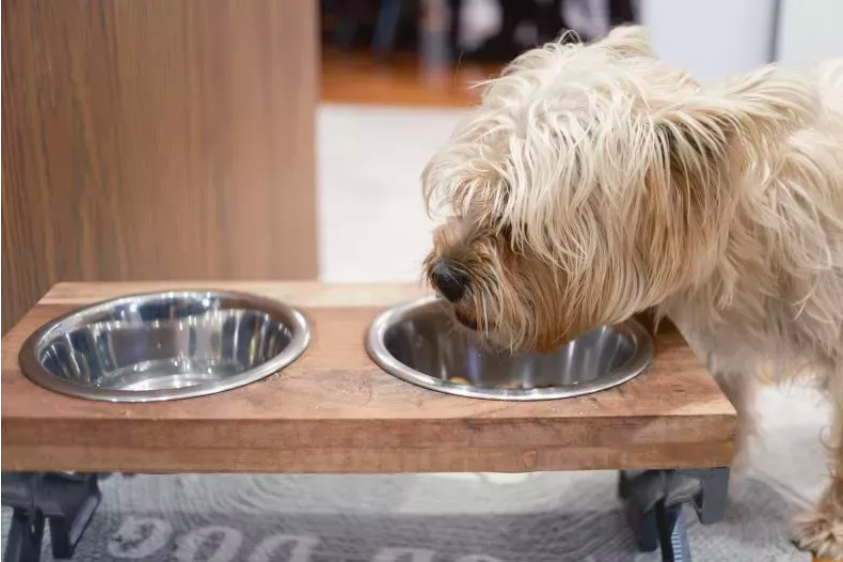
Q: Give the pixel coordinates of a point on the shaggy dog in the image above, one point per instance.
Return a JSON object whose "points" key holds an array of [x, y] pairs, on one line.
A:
{"points": [[594, 182]]}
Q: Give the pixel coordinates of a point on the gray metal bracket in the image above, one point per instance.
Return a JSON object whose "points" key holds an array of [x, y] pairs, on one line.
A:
{"points": [[654, 500], [67, 501]]}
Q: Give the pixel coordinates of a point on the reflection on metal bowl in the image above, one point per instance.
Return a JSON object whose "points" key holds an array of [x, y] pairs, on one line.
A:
{"points": [[164, 346], [419, 343]]}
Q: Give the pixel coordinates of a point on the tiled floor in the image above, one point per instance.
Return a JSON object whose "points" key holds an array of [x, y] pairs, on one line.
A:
{"points": [[373, 227]]}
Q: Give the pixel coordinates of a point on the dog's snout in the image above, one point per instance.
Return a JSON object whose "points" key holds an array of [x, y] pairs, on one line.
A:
{"points": [[448, 280]]}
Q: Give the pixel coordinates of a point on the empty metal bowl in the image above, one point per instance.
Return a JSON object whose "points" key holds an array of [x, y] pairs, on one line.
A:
{"points": [[164, 346], [418, 343]]}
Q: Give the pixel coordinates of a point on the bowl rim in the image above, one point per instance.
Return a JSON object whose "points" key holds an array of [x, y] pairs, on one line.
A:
{"points": [[31, 367], [378, 352]]}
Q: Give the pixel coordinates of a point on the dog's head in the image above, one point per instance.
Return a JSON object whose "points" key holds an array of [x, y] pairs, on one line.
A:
{"points": [[593, 182]]}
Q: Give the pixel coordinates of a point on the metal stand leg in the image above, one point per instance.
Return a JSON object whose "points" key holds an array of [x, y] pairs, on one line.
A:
{"points": [[673, 534], [67, 501], [654, 500], [25, 534], [714, 486]]}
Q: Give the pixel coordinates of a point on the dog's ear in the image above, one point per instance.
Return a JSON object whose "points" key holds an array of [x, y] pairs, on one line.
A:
{"points": [[628, 40], [712, 137], [755, 112], [719, 131]]}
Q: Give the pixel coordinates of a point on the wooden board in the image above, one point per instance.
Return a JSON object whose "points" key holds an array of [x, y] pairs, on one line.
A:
{"points": [[156, 139], [334, 410]]}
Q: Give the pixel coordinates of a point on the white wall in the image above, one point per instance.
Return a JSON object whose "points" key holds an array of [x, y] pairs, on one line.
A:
{"points": [[809, 30], [712, 39]]}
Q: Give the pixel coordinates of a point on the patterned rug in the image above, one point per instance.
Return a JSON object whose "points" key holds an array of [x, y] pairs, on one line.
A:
{"points": [[548, 517]]}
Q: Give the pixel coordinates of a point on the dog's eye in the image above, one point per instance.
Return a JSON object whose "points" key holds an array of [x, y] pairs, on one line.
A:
{"points": [[512, 236], [505, 230], [502, 196]]}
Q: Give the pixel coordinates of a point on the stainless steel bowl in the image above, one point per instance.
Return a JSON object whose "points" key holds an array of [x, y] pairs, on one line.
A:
{"points": [[418, 343], [164, 346]]}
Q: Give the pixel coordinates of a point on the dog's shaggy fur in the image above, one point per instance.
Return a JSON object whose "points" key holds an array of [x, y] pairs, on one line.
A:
{"points": [[594, 182]]}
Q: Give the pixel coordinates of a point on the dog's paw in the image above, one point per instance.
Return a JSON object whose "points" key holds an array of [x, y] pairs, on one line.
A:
{"points": [[820, 533]]}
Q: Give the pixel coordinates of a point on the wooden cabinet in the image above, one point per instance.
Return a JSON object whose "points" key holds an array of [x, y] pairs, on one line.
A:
{"points": [[156, 139]]}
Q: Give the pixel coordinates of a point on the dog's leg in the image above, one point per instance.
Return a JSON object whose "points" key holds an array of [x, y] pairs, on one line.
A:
{"points": [[821, 531], [739, 388]]}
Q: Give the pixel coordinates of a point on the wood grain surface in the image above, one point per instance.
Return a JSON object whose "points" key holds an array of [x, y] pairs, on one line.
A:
{"points": [[156, 139], [334, 410]]}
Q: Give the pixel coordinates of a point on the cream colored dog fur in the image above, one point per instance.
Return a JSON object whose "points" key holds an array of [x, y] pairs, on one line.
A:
{"points": [[594, 182]]}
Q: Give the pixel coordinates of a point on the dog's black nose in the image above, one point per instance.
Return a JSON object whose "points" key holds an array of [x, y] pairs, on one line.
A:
{"points": [[448, 280]]}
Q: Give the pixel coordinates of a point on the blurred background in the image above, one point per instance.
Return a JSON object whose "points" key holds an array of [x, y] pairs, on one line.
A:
{"points": [[284, 139]]}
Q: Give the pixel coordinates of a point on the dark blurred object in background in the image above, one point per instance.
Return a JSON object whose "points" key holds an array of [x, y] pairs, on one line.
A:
{"points": [[379, 25], [480, 30], [429, 52]]}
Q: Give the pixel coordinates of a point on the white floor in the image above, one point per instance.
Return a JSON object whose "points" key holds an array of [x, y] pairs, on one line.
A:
{"points": [[372, 224], [373, 227]]}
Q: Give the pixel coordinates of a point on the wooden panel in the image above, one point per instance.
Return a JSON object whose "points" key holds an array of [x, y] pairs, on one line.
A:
{"points": [[333, 410], [156, 139]]}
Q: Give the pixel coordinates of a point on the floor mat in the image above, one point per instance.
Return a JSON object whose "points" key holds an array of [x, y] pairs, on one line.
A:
{"points": [[548, 517]]}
